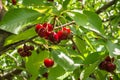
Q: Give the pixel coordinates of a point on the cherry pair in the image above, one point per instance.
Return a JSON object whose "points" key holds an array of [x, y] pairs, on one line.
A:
{"points": [[107, 64], [46, 31], [25, 51]]}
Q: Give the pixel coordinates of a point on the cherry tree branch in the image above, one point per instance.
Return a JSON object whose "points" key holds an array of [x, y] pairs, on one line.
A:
{"points": [[103, 8]]}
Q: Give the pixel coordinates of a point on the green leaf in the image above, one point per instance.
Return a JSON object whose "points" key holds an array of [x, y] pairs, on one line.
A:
{"points": [[94, 20], [22, 36], [88, 70], [93, 57], [114, 49], [15, 19], [80, 44], [55, 72], [32, 2], [65, 3], [79, 18], [63, 60], [34, 62]]}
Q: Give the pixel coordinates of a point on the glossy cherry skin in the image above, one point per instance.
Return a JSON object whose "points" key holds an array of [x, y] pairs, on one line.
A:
{"points": [[48, 62], [38, 27]]}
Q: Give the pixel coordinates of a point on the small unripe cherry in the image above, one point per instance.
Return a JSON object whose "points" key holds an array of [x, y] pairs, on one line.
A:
{"points": [[48, 62]]}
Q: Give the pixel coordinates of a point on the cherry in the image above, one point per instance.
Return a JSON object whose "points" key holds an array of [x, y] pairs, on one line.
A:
{"points": [[48, 62], [14, 2], [102, 65], [25, 51], [64, 33], [48, 26], [20, 50], [45, 75], [110, 78], [108, 59], [110, 67], [42, 32], [73, 47], [38, 27]]}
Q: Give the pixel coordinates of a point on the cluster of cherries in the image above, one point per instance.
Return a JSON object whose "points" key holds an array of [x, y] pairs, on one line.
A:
{"points": [[25, 50], [46, 31], [107, 64]]}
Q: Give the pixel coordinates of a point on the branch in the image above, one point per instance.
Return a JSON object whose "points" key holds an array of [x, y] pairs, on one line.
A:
{"points": [[103, 8], [12, 46]]}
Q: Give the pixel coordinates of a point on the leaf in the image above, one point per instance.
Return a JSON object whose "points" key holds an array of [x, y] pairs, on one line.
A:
{"points": [[94, 20], [15, 19], [65, 3], [93, 57], [32, 2], [114, 49], [80, 44], [55, 73], [88, 70], [22, 36], [34, 62], [79, 18], [63, 60]]}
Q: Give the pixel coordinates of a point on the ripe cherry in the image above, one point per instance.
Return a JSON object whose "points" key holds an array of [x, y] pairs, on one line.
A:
{"points": [[45, 75], [48, 62], [48, 26], [108, 59], [38, 27], [102, 65], [110, 67], [14, 2], [20, 50]]}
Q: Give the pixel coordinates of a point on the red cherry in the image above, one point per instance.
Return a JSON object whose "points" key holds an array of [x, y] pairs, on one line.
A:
{"points": [[45, 75], [110, 67], [20, 50], [14, 2], [60, 34], [31, 47], [38, 27], [48, 26], [48, 62], [108, 59], [102, 65], [42, 32], [67, 30], [110, 78]]}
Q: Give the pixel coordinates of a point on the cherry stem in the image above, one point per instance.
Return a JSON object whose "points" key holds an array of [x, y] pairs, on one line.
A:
{"points": [[67, 24]]}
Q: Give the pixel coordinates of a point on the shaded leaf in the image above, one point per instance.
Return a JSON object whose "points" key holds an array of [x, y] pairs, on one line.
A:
{"points": [[22, 36]]}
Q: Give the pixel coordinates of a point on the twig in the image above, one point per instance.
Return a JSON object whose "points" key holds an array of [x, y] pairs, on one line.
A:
{"points": [[67, 24], [103, 8], [12, 46]]}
